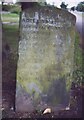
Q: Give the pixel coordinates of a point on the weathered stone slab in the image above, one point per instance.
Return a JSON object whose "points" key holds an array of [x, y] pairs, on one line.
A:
{"points": [[46, 55]]}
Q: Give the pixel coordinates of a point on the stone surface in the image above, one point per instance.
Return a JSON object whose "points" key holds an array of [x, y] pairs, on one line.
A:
{"points": [[46, 55]]}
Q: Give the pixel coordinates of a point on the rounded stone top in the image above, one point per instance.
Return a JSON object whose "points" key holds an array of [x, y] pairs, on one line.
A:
{"points": [[51, 10]]}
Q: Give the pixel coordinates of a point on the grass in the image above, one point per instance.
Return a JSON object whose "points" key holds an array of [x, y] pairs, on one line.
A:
{"points": [[10, 17]]}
